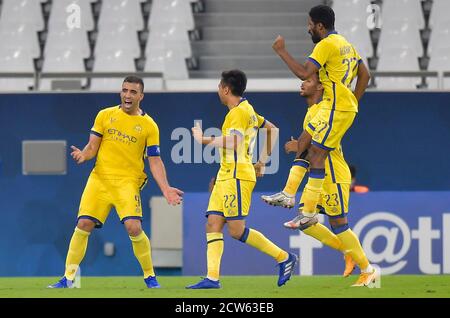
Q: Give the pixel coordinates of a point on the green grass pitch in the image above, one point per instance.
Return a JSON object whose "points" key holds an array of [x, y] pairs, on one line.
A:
{"points": [[232, 287]]}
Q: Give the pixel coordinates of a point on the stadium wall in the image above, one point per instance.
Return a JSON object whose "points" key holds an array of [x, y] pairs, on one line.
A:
{"points": [[402, 232], [398, 143]]}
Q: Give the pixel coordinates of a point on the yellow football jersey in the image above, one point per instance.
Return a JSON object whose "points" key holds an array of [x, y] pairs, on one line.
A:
{"points": [[126, 141], [338, 62], [336, 168], [244, 121]]}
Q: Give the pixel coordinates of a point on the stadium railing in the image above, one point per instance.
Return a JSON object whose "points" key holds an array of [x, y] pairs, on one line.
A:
{"points": [[75, 75], [89, 75]]}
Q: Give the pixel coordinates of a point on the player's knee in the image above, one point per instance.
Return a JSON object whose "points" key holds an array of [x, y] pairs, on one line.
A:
{"points": [[336, 222], [212, 227], [85, 225], [338, 225], [235, 232], [133, 228], [316, 156]]}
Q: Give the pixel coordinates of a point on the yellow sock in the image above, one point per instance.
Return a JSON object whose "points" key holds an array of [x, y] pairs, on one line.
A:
{"points": [[214, 254], [259, 241], [324, 235], [75, 254], [313, 188], [352, 246], [296, 175], [142, 251]]}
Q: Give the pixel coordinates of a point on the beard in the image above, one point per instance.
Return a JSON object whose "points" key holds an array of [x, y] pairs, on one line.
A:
{"points": [[315, 38]]}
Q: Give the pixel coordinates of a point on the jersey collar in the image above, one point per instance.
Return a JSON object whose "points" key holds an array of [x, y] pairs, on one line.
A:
{"points": [[332, 32], [143, 111]]}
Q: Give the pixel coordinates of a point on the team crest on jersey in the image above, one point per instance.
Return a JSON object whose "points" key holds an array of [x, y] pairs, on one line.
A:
{"points": [[138, 128]]}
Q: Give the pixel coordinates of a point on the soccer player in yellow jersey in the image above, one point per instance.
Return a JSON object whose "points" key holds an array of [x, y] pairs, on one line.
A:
{"points": [[338, 63], [335, 195], [231, 196], [121, 137]]}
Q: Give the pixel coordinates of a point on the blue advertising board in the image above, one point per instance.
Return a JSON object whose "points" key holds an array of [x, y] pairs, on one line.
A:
{"points": [[402, 232]]}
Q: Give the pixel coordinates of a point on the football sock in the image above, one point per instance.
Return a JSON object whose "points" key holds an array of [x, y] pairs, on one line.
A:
{"points": [[296, 174], [313, 189], [75, 254], [259, 241], [352, 246], [214, 253], [142, 251], [324, 235]]}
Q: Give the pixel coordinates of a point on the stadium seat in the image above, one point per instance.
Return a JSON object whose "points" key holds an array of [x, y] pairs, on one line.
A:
{"points": [[400, 32], [155, 58], [439, 61], [21, 36], [60, 61], [59, 16], [350, 10], [357, 33], [171, 11], [116, 36], [123, 12], [65, 38], [19, 59], [398, 59], [113, 60], [167, 60], [439, 23], [439, 13], [13, 59], [168, 34], [410, 10], [19, 12]]}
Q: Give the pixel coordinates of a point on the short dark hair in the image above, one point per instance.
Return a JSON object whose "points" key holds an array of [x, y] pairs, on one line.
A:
{"points": [[236, 80], [323, 14], [134, 79]]}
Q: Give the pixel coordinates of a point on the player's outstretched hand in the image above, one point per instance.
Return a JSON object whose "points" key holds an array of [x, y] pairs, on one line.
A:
{"points": [[291, 145], [77, 155], [279, 44], [259, 169], [173, 196], [197, 133]]}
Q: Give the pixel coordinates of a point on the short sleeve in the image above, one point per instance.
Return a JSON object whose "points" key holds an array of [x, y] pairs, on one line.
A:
{"points": [[261, 120], [153, 140], [357, 56], [320, 54], [238, 122], [98, 128]]}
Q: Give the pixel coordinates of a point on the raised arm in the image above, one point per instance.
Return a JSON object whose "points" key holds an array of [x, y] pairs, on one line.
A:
{"points": [[362, 81], [158, 170], [301, 71], [230, 142], [89, 151]]}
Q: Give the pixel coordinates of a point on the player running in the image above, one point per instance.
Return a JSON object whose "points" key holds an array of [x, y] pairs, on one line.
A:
{"points": [[231, 196]]}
